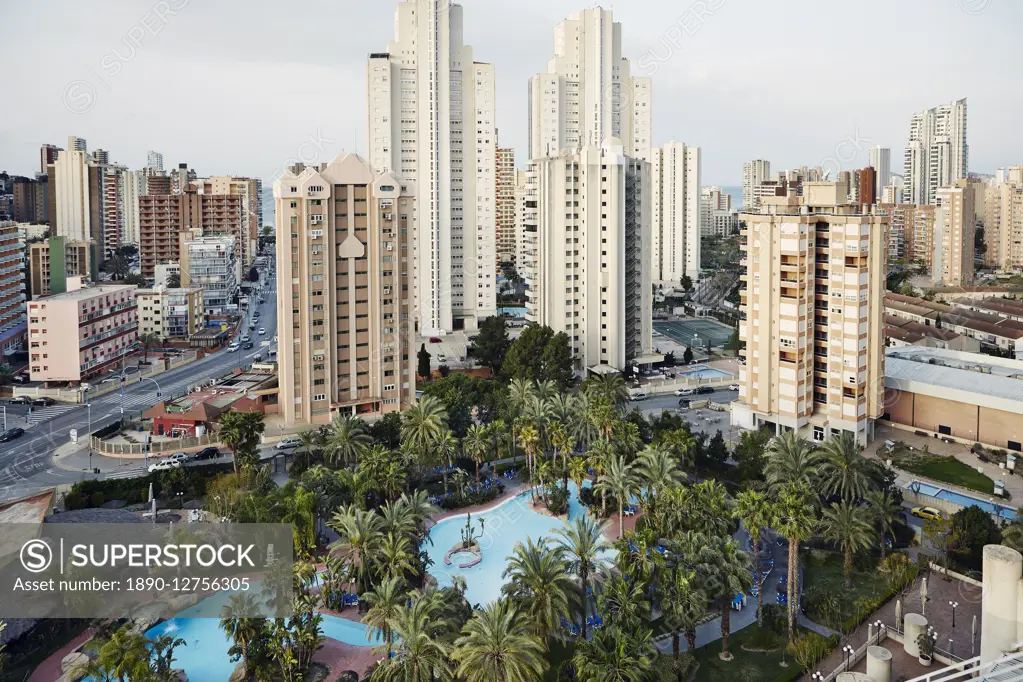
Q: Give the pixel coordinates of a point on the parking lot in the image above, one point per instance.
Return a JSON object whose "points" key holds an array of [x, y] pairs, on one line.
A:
{"points": [[702, 420]]}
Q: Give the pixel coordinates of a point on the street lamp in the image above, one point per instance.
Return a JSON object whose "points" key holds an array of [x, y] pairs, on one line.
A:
{"points": [[954, 605], [848, 651], [817, 677], [878, 626]]}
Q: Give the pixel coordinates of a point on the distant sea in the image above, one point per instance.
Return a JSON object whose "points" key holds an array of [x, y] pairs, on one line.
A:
{"points": [[736, 194]]}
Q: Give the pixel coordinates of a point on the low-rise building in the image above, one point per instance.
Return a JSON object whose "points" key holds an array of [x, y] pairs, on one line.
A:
{"points": [[170, 313], [194, 414], [900, 332], [105, 323], [52, 261], [993, 330]]}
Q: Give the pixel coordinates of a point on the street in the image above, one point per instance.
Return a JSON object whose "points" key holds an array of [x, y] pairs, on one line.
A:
{"points": [[26, 463]]}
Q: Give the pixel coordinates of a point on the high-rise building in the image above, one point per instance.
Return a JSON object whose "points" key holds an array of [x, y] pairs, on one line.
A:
{"points": [[77, 144], [107, 205], [344, 301], [105, 325], [505, 198], [937, 153], [1002, 214], [813, 316], [525, 241], [723, 223], [100, 157], [590, 278], [675, 214], [892, 194], [881, 162], [69, 183], [249, 189], [52, 261], [12, 291], [210, 263], [48, 156], [866, 183], [134, 184], [432, 121], [955, 221], [170, 313], [154, 161], [754, 173], [712, 199], [588, 93]]}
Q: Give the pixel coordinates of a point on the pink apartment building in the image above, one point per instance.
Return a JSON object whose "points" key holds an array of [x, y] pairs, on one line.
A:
{"points": [[105, 318]]}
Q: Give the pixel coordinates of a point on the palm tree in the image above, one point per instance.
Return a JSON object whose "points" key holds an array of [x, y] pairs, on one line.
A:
{"points": [[679, 443], [421, 655], [309, 438], [497, 647], [347, 439], [447, 446], [360, 538], [684, 606], [625, 599], [755, 511], [232, 434], [610, 388], [395, 557], [563, 444], [540, 584], [796, 519], [475, 445], [613, 656], [884, 511], [240, 628], [846, 524], [147, 341], [300, 512], [844, 471], [729, 571], [582, 541], [520, 391], [600, 455], [790, 459], [530, 439], [424, 424], [622, 482], [385, 601], [577, 472], [658, 471]]}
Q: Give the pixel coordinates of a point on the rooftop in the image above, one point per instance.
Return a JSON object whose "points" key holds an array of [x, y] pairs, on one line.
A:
{"points": [[963, 377], [30, 509]]}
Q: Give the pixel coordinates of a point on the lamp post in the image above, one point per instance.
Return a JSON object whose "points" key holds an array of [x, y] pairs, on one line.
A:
{"points": [[878, 626], [817, 677], [954, 605], [848, 651]]}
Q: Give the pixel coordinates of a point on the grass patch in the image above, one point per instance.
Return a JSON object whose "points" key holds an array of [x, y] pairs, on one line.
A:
{"points": [[946, 469], [746, 665], [829, 602]]}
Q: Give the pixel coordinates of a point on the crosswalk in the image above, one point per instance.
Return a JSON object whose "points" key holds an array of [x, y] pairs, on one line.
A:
{"points": [[41, 414]]}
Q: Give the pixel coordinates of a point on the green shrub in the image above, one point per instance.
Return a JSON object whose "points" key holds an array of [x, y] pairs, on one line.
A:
{"points": [[558, 501]]}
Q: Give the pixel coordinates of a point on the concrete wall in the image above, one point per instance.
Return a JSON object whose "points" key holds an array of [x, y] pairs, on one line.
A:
{"points": [[921, 500], [969, 423]]}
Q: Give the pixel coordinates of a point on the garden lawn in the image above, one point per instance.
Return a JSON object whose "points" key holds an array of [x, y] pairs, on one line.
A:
{"points": [[867, 592], [947, 469], [748, 666]]}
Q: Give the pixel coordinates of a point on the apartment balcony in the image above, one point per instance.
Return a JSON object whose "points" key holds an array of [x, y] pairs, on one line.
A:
{"points": [[103, 336]]}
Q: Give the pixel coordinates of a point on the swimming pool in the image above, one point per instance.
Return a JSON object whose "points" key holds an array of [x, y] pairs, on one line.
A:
{"points": [[704, 372], [504, 525], [1003, 511], [512, 311]]}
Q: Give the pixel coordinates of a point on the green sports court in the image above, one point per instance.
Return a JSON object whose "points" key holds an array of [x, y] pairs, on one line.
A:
{"points": [[683, 331]]}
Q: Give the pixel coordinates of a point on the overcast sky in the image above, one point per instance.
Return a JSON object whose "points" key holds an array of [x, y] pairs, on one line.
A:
{"points": [[237, 86]]}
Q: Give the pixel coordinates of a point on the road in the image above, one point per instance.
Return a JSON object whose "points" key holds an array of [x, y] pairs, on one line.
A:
{"points": [[26, 464]]}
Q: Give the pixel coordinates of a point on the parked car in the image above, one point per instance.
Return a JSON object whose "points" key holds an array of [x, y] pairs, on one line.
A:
{"points": [[289, 444], [20, 400], [434, 339], [20, 378], [703, 390], [43, 402], [164, 466], [178, 457], [733, 387], [685, 391], [926, 513], [11, 434], [206, 453]]}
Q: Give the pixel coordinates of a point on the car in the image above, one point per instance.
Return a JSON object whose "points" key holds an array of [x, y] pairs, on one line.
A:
{"points": [[178, 457], [255, 314], [20, 378], [289, 444], [11, 434], [733, 387], [703, 390], [206, 453], [20, 400], [233, 347], [639, 395], [252, 327], [245, 338], [164, 466], [684, 402], [685, 391], [248, 345], [43, 402], [926, 513], [261, 331], [434, 339]]}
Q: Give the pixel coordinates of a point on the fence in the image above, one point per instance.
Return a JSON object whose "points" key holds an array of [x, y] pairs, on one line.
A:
{"points": [[153, 448]]}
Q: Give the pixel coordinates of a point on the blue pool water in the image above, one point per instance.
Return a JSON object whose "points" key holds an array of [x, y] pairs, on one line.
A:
{"points": [[704, 372], [965, 500], [513, 311], [505, 525]]}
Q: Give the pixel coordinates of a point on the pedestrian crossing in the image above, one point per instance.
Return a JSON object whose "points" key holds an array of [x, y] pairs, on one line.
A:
{"points": [[41, 414]]}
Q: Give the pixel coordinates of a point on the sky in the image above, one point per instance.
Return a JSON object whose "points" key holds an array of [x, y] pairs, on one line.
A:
{"points": [[242, 86]]}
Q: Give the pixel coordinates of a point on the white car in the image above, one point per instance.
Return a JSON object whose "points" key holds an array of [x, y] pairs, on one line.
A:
{"points": [[233, 347], [262, 331], [685, 391], [245, 338], [733, 387], [164, 466], [289, 444], [178, 457]]}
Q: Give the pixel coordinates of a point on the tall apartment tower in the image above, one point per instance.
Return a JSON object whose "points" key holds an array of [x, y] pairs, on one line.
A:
{"points": [[505, 205], [154, 161], [249, 189], [76, 144], [525, 241], [866, 185], [344, 297], [955, 221], [588, 93], [590, 278], [134, 184], [432, 120], [70, 188], [937, 153], [753, 174], [48, 156], [881, 162], [675, 243], [210, 263], [13, 323], [813, 316]]}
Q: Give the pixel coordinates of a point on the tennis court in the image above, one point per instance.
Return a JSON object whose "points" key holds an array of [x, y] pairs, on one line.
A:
{"points": [[683, 331]]}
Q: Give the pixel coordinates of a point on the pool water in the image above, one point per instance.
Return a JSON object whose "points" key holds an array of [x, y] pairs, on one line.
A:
{"points": [[704, 372], [1003, 511], [504, 525]]}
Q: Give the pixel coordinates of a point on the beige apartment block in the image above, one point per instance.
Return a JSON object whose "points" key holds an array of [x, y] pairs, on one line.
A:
{"points": [[82, 332], [505, 197], [344, 278], [170, 313], [813, 314], [588, 261], [955, 222], [1003, 226]]}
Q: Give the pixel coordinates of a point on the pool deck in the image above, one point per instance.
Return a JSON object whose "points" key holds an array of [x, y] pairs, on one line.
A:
{"points": [[49, 670], [340, 657]]}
